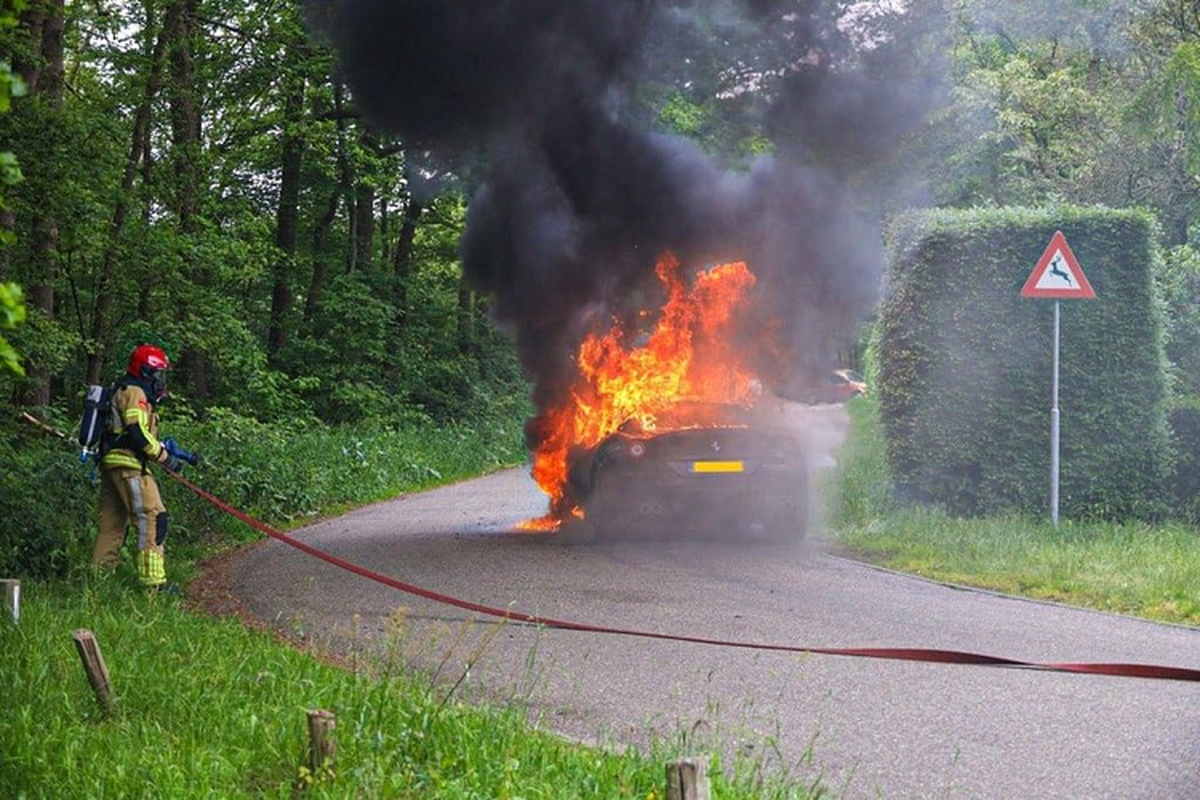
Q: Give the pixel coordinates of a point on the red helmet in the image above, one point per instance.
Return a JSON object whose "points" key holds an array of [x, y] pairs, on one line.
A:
{"points": [[147, 358]]}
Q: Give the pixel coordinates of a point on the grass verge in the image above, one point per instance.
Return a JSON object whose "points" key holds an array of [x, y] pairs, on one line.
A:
{"points": [[1150, 571], [208, 708]]}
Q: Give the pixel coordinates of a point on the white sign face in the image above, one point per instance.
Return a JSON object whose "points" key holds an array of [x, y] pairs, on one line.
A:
{"points": [[1058, 274]]}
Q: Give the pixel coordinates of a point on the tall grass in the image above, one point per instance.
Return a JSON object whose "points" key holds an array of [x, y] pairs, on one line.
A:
{"points": [[207, 708], [1133, 568], [282, 473], [861, 487], [287, 474]]}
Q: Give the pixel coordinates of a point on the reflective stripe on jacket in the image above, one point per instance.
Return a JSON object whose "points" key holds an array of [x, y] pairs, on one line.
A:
{"points": [[134, 429]]}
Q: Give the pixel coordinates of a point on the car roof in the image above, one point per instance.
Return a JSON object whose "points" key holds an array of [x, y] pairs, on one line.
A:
{"points": [[689, 413]]}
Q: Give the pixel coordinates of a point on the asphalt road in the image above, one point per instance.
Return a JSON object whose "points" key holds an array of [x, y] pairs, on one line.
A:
{"points": [[871, 727]]}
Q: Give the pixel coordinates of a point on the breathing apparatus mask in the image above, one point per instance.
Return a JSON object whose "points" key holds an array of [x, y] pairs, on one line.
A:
{"points": [[156, 381]]}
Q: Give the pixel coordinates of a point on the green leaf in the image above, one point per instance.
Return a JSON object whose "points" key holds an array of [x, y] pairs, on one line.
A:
{"points": [[12, 309], [9, 359]]}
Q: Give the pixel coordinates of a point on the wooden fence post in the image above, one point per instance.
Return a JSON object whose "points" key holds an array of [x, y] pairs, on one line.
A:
{"points": [[687, 779], [93, 665], [322, 747], [12, 598]]}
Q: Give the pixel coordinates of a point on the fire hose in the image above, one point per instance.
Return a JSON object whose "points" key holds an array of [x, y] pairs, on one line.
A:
{"points": [[1130, 670]]}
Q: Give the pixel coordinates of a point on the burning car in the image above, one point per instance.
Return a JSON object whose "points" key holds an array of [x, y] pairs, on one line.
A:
{"points": [[658, 431], [696, 465]]}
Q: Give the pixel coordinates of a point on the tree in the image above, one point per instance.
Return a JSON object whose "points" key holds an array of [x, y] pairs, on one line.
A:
{"points": [[1179, 285], [120, 212], [41, 70], [12, 310], [1083, 101], [1166, 114], [402, 262], [288, 212]]}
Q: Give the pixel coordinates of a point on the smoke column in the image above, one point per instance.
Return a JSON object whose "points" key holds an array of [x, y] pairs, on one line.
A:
{"points": [[578, 200]]}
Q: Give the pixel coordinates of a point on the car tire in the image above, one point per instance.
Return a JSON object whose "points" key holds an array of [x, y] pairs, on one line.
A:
{"points": [[790, 524]]}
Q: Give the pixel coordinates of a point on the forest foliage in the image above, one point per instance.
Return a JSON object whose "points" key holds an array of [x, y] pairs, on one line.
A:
{"points": [[196, 176], [196, 173]]}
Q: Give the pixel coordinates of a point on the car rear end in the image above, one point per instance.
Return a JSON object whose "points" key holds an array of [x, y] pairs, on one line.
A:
{"points": [[737, 479]]}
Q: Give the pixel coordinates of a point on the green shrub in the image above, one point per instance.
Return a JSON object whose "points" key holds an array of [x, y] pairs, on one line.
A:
{"points": [[279, 472], [47, 505], [860, 485], [964, 377], [1185, 479]]}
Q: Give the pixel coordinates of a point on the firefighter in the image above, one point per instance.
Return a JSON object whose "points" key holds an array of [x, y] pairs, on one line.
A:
{"points": [[128, 492]]}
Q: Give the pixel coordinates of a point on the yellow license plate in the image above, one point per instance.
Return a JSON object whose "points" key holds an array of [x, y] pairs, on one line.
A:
{"points": [[718, 466]]}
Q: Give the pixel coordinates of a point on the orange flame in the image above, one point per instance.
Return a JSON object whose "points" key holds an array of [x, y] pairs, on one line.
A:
{"points": [[689, 355]]}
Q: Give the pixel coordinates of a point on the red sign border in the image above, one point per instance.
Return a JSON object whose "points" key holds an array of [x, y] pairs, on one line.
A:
{"points": [[1085, 291]]}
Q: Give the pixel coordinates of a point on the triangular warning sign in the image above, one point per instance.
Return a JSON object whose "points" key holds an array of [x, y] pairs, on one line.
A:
{"points": [[1058, 274]]}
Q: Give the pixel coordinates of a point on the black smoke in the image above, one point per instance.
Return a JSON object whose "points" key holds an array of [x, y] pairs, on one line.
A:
{"points": [[579, 199]]}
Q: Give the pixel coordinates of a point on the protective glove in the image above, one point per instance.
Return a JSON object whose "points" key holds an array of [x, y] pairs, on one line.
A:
{"points": [[175, 451]]}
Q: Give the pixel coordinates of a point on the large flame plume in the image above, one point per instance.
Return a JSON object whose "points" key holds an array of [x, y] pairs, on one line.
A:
{"points": [[690, 354]]}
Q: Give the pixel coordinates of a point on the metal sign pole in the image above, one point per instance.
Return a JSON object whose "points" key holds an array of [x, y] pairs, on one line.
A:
{"points": [[1054, 429], [1057, 266]]}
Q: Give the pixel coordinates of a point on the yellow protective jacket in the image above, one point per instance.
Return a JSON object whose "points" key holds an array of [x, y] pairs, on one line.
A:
{"points": [[133, 429]]}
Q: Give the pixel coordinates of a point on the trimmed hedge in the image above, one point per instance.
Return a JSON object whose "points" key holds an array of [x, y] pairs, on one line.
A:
{"points": [[1185, 481], [964, 371]]}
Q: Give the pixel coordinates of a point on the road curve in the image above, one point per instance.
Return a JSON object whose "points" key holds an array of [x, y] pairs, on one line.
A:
{"points": [[873, 727]]}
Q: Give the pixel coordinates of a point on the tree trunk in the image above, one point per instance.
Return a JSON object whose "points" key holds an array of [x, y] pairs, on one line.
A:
{"points": [[384, 221], [364, 225], [33, 20], [402, 263], [1181, 176], [364, 217], [287, 214], [186, 158], [141, 120], [466, 319], [346, 175], [185, 117], [320, 267], [144, 306], [47, 78], [145, 289]]}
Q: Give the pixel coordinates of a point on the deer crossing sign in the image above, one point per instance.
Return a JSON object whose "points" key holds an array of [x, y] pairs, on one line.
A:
{"points": [[1058, 275]]}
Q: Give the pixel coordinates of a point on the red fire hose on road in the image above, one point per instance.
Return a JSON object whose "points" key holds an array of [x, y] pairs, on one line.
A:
{"points": [[893, 653], [1151, 671]]}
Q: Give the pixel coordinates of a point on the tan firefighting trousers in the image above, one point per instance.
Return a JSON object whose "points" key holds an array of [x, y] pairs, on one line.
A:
{"points": [[128, 496]]}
